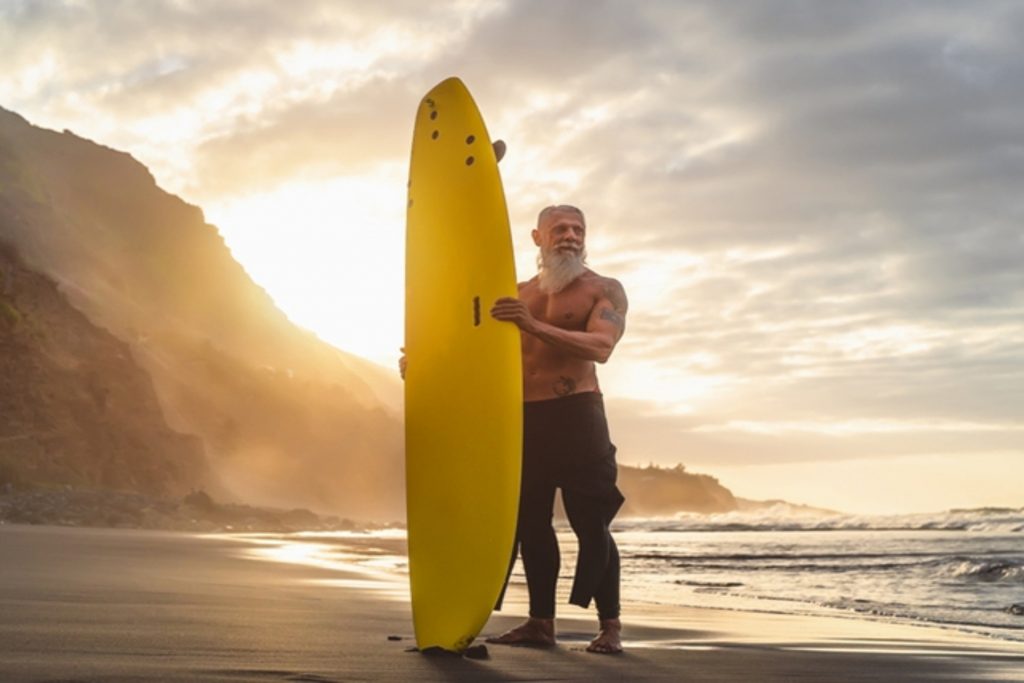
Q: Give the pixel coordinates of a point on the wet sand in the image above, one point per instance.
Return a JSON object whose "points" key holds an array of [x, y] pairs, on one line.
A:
{"points": [[122, 605]]}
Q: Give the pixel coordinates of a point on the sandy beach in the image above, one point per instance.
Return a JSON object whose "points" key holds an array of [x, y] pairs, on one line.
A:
{"points": [[122, 605]]}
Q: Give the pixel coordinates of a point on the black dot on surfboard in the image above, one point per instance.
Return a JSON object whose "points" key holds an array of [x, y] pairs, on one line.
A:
{"points": [[433, 115], [434, 135], [469, 161], [471, 139], [410, 203]]}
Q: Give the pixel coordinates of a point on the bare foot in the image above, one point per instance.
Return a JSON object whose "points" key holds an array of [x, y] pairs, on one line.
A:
{"points": [[531, 632], [609, 638]]}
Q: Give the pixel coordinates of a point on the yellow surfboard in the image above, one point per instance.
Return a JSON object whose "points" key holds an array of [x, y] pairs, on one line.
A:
{"points": [[463, 385]]}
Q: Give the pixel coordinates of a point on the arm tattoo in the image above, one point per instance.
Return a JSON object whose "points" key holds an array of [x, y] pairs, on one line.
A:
{"points": [[615, 318], [619, 305], [617, 296], [564, 386]]}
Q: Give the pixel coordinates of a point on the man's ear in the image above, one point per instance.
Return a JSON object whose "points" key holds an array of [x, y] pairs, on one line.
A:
{"points": [[536, 236]]}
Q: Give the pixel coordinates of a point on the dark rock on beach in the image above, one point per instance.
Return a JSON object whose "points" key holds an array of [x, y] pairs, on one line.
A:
{"points": [[195, 512]]}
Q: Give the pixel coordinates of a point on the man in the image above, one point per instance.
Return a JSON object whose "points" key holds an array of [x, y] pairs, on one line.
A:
{"points": [[570, 318]]}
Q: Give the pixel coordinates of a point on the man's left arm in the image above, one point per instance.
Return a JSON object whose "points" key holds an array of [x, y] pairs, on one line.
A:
{"points": [[608, 317]]}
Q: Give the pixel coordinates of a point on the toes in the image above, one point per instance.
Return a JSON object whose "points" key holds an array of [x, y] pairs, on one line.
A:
{"points": [[604, 649]]}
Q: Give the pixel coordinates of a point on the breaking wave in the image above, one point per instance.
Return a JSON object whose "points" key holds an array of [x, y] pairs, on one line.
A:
{"points": [[987, 571], [790, 518]]}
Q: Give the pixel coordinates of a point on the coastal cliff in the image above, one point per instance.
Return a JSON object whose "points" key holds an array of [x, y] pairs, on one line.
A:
{"points": [[75, 407], [658, 491], [278, 416]]}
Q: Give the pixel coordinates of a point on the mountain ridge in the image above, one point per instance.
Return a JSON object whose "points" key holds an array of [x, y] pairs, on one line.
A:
{"points": [[284, 418]]}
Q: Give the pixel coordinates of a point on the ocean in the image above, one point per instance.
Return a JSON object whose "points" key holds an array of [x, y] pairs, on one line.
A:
{"points": [[960, 570]]}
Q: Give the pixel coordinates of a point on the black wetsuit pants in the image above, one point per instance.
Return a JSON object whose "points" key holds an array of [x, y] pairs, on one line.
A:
{"points": [[566, 445]]}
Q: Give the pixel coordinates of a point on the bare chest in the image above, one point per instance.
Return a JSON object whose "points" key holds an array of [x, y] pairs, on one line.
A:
{"points": [[569, 309]]}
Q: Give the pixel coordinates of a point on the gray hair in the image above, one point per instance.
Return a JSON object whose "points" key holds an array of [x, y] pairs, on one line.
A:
{"points": [[568, 208]]}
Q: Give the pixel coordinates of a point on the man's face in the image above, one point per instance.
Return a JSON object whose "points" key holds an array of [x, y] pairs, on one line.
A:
{"points": [[561, 232]]}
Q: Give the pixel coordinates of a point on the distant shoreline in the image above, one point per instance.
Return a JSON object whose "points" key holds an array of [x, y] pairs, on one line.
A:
{"points": [[196, 512]]}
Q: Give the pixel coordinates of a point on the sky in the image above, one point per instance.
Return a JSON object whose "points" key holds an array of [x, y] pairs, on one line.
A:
{"points": [[814, 206]]}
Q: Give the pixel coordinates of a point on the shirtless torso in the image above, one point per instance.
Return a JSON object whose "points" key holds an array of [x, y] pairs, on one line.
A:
{"points": [[573, 330]]}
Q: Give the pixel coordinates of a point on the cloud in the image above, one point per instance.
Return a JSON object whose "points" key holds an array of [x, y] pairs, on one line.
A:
{"points": [[349, 133], [879, 171], [237, 94]]}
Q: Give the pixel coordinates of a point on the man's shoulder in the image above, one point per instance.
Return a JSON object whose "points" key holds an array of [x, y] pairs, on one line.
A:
{"points": [[602, 283], [609, 288], [527, 284]]}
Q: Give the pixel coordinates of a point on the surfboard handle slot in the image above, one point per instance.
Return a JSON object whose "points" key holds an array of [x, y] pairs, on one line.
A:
{"points": [[476, 311]]}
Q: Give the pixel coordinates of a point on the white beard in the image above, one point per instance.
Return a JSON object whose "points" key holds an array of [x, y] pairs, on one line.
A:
{"points": [[557, 269]]}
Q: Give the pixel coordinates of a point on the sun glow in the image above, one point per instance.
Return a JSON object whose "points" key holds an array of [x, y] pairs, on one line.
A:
{"points": [[885, 485], [675, 389], [841, 428], [330, 253]]}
